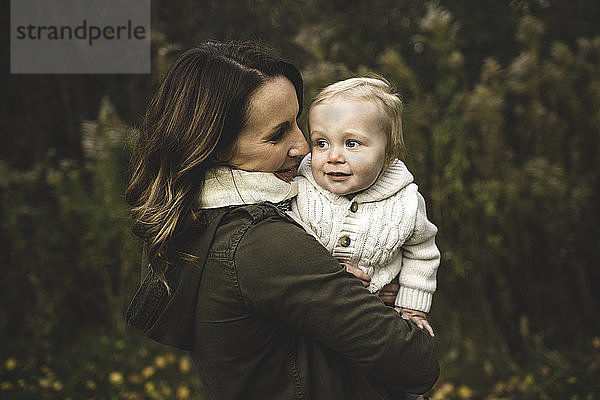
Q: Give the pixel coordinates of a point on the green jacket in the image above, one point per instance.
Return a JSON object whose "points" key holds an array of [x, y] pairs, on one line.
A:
{"points": [[267, 313]]}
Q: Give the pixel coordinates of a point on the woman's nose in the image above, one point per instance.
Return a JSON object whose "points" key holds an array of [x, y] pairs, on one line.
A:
{"points": [[299, 146]]}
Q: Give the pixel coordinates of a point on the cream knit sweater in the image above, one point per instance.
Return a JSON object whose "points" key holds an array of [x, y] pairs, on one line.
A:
{"points": [[383, 230]]}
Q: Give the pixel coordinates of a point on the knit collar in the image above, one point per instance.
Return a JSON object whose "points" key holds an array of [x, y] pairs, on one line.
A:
{"points": [[224, 186], [391, 180]]}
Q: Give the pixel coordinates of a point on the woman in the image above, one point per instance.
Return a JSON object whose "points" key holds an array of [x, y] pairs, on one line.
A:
{"points": [[264, 310]]}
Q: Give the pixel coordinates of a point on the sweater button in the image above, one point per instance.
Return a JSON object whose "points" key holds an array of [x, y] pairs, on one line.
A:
{"points": [[344, 241], [354, 207]]}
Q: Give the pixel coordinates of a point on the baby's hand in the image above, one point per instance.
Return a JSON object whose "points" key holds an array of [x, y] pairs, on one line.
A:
{"points": [[418, 317], [357, 272]]}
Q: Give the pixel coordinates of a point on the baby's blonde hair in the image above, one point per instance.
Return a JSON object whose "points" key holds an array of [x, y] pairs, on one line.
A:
{"points": [[380, 92]]}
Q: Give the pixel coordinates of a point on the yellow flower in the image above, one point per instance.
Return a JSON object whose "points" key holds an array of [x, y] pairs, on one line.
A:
{"points": [[500, 387], [464, 392], [90, 384], [147, 372], [183, 393], [572, 380], [116, 378], [119, 344], [185, 364], [443, 391], [44, 382], [528, 381], [596, 342], [149, 386], [57, 386], [6, 385], [160, 362], [10, 364], [165, 389]]}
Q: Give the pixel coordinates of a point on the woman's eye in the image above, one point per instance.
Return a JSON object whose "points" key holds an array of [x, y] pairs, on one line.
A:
{"points": [[352, 143], [321, 144], [277, 136]]}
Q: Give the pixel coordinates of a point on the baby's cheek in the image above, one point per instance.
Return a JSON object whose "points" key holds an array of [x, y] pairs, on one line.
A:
{"points": [[366, 165], [359, 160], [315, 166]]}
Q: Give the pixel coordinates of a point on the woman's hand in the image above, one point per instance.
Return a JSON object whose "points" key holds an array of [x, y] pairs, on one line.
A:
{"points": [[418, 317], [388, 293], [364, 278]]}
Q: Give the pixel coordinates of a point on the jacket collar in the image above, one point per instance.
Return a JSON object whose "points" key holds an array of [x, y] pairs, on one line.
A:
{"points": [[224, 186]]}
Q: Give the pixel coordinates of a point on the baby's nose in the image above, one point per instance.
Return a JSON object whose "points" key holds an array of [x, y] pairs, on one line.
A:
{"points": [[335, 155]]}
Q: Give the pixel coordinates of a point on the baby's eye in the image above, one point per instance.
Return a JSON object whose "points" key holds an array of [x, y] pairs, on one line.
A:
{"points": [[352, 143], [321, 143]]}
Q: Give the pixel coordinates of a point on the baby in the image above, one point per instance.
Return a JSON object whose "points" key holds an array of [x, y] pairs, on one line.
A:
{"points": [[360, 201]]}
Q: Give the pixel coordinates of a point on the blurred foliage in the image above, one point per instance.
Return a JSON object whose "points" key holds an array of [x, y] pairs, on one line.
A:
{"points": [[502, 127], [129, 368], [66, 229]]}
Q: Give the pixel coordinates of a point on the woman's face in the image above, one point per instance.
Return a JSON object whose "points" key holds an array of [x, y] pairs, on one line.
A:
{"points": [[271, 140]]}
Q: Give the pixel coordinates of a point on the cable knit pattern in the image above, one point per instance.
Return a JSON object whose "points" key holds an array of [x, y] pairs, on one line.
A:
{"points": [[386, 232]]}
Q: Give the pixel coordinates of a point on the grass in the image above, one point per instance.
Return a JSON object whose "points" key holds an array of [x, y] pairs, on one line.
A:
{"points": [[126, 365], [121, 366]]}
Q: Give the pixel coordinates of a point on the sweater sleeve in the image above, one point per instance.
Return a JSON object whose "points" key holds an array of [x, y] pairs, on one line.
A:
{"points": [[284, 274], [420, 262]]}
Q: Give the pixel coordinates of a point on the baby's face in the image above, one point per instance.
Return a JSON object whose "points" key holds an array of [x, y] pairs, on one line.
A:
{"points": [[347, 144]]}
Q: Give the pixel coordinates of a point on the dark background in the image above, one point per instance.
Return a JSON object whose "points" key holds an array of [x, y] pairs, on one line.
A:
{"points": [[502, 126]]}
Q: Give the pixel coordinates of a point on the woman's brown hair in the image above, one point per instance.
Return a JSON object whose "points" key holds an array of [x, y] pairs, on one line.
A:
{"points": [[195, 115]]}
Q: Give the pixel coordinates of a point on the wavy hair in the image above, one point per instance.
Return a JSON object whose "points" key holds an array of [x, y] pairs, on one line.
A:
{"points": [[194, 117]]}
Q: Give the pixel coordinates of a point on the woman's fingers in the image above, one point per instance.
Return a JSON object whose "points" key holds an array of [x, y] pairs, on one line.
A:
{"points": [[419, 319], [391, 287], [388, 293], [357, 272], [428, 328], [387, 297]]}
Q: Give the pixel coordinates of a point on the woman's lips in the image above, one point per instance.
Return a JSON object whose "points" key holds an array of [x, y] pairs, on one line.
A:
{"points": [[287, 174]]}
